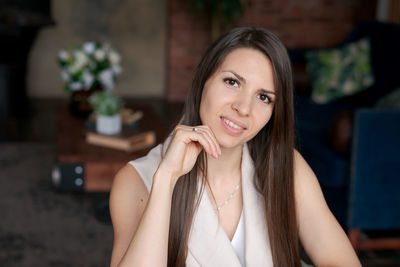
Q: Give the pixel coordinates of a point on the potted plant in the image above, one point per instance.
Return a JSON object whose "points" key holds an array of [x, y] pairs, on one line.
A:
{"points": [[106, 106], [90, 67]]}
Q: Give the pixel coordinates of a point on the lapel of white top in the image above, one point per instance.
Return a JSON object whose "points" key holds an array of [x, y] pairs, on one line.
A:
{"points": [[208, 243], [257, 248]]}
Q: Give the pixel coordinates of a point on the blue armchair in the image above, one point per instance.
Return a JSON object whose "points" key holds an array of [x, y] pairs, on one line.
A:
{"points": [[314, 125], [374, 192]]}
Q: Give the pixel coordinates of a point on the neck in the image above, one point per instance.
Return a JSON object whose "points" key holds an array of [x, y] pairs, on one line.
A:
{"points": [[226, 167]]}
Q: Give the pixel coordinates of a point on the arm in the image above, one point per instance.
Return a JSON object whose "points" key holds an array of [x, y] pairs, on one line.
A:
{"points": [[149, 214], [128, 200], [321, 235], [141, 220]]}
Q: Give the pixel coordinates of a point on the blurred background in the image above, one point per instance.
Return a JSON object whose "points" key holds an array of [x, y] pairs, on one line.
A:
{"points": [[55, 54]]}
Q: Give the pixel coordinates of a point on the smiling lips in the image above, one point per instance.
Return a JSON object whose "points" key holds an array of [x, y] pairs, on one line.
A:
{"points": [[233, 128]]}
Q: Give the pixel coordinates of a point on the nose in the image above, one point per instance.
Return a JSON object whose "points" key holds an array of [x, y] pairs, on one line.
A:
{"points": [[242, 104]]}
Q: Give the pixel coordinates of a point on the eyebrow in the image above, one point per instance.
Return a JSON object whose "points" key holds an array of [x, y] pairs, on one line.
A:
{"points": [[244, 81]]}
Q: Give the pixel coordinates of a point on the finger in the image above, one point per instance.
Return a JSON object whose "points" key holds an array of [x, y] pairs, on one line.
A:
{"points": [[201, 137], [211, 146], [188, 135], [212, 137], [210, 149], [215, 140]]}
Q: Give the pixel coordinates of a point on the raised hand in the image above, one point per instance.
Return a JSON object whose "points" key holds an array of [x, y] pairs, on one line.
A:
{"points": [[186, 144]]}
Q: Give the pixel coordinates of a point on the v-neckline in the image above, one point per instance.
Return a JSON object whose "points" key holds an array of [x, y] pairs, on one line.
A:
{"points": [[210, 246], [217, 217], [241, 192], [238, 226]]}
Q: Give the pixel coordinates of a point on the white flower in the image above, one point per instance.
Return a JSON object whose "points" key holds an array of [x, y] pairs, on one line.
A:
{"points": [[88, 64], [114, 57], [106, 79], [72, 69], [116, 69], [89, 47], [87, 79], [81, 58], [80, 61], [64, 75], [100, 54], [63, 55], [75, 86]]}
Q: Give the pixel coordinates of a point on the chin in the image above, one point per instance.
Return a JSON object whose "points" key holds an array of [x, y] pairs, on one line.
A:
{"points": [[229, 143]]}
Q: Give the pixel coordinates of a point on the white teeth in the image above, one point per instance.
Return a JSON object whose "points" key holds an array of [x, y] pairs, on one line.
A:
{"points": [[232, 124]]}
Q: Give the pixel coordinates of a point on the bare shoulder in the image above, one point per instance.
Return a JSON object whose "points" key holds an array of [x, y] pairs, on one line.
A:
{"points": [[128, 185], [307, 189], [303, 174], [319, 232], [128, 195], [128, 200]]}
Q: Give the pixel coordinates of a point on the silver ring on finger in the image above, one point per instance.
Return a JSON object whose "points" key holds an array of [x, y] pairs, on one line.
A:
{"points": [[195, 129]]}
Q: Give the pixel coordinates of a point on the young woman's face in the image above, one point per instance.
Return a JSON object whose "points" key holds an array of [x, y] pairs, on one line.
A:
{"points": [[238, 99]]}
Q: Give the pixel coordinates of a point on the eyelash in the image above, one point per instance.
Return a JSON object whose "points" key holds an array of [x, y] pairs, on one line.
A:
{"points": [[267, 99], [229, 82]]}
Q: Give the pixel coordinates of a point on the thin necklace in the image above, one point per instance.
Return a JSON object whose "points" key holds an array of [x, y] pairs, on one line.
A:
{"points": [[220, 206]]}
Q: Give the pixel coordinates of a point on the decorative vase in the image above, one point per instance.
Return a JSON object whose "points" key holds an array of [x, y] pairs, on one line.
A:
{"points": [[108, 124], [79, 104]]}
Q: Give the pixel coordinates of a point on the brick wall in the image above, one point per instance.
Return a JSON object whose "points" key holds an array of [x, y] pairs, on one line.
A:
{"points": [[299, 24]]}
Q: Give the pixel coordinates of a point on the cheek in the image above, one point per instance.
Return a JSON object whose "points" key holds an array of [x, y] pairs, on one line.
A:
{"points": [[205, 105], [259, 125], [211, 101], [265, 119]]}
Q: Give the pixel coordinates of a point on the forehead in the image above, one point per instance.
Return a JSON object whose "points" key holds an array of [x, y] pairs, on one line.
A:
{"points": [[246, 58], [237, 53], [250, 63]]}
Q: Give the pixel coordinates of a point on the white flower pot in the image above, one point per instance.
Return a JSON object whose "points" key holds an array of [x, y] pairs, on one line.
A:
{"points": [[108, 124]]}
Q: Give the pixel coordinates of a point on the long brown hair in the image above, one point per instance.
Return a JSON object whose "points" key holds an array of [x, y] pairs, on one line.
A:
{"points": [[271, 150]]}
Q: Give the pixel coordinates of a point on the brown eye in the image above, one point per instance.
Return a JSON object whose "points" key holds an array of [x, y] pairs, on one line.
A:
{"points": [[231, 82], [265, 98]]}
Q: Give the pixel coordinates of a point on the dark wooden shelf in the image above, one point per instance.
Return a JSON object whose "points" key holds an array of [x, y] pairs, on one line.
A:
{"points": [[91, 168]]}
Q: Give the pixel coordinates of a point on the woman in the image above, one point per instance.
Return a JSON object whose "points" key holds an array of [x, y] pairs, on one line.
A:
{"points": [[228, 188]]}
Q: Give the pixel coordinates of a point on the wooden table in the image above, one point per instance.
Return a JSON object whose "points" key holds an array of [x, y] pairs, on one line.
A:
{"points": [[84, 167]]}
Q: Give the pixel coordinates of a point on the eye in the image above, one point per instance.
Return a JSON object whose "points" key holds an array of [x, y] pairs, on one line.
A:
{"points": [[264, 98], [231, 82]]}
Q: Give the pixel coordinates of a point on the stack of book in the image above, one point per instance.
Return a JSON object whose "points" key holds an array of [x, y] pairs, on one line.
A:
{"points": [[131, 139], [128, 141]]}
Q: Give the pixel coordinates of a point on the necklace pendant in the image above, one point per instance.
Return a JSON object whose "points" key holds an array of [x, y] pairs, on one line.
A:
{"points": [[219, 207]]}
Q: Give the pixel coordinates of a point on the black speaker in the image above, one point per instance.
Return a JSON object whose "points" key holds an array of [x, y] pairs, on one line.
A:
{"points": [[69, 177]]}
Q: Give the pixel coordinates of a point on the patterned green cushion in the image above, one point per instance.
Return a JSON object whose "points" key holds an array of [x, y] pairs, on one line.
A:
{"points": [[340, 72]]}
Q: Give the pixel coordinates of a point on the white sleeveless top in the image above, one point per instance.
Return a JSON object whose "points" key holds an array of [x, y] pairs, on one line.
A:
{"points": [[208, 245], [148, 164]]}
